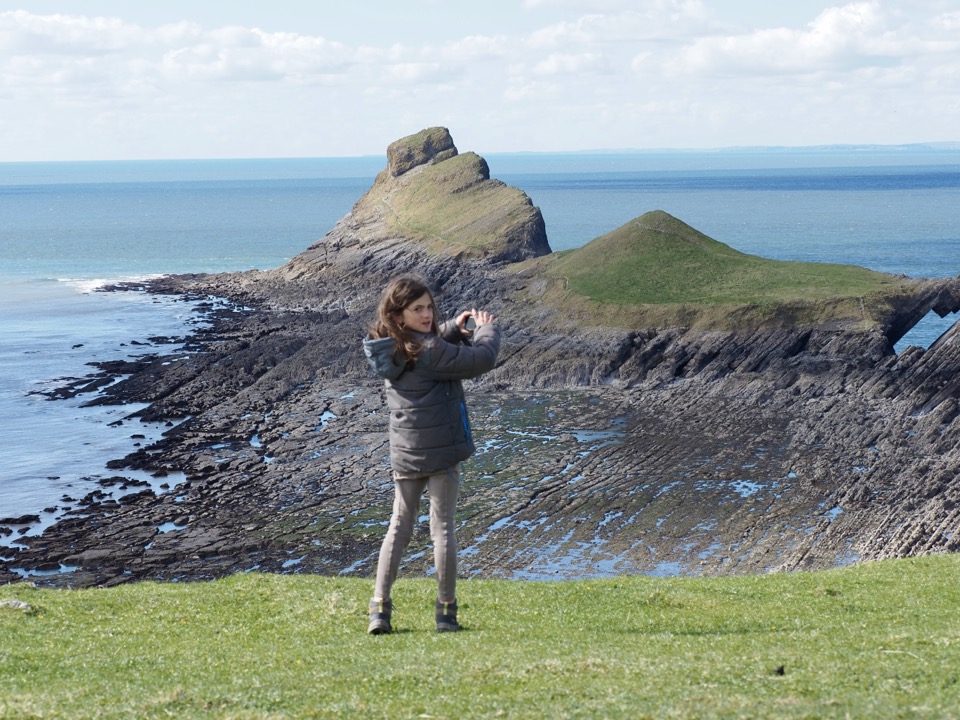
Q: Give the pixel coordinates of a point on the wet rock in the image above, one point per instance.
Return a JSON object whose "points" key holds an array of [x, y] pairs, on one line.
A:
{"points": [[602, 450], [92, 558]]}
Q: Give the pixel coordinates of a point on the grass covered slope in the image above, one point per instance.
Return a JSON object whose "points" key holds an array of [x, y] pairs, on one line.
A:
{"points": [[878, 640], [447, 201], [657, 268], [454, 207]]}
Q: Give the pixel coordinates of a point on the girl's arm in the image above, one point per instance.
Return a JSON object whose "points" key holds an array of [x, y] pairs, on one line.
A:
{"points": [[451, 331], [449, 361], [461, 328]]}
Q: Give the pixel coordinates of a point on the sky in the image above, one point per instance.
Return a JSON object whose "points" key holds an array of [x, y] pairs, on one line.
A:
{"points": [[115, 79]]}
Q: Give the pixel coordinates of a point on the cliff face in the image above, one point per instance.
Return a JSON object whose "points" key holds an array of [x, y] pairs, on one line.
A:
{"points": [[607, 444], [432, 210]]}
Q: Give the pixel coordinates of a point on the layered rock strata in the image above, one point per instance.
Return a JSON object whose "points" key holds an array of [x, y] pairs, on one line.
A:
{"points": [[602, 449]]}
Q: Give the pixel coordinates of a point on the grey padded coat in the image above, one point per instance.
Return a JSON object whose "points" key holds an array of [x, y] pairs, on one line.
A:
{"points": [[429, 428]]}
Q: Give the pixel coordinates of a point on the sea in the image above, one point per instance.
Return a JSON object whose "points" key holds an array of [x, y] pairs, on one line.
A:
{"points": [[69, 228]]}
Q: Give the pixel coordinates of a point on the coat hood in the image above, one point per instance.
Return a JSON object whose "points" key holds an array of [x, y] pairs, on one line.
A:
{"points": [[381, 356]]}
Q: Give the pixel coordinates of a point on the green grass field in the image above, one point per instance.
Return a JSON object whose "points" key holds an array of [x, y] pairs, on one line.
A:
{"points": [[879, 640]]}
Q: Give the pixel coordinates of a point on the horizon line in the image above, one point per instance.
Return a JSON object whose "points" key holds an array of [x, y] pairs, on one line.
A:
{"points": [[932, 146]]}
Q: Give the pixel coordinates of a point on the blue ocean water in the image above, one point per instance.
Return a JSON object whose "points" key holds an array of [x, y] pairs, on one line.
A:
{"points": [[67, 227]]}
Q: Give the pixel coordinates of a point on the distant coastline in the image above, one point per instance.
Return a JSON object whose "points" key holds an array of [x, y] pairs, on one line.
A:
{"points": [[367, 166]]}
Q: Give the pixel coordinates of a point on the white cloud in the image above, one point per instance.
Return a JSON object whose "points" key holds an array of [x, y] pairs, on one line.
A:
{"points": [[564, 34], [476, 48], [948, 22], [578, 5], [660, 22], [238, 54], [179, 52], [177, 34], [571, 64], [841, 39], [591, 74], [668, 8], [22, 33], [416, 72], [844, 37]]}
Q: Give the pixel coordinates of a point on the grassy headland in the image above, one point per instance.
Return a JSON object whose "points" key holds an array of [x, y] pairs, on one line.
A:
{"points": [[453, 207], [656, 270], [878, 640]]}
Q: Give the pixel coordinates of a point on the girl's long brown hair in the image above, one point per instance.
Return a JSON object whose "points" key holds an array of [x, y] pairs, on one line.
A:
{"points": [[397, 296]]}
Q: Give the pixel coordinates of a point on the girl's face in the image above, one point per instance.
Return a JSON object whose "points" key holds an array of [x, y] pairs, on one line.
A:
{"points": [[418, 315]]}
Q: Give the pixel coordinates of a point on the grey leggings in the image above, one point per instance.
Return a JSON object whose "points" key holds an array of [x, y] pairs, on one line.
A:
{"points": [[443, 487]]}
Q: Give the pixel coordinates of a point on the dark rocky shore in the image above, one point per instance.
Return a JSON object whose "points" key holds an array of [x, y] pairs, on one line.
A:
{"points": [[603, 450]]}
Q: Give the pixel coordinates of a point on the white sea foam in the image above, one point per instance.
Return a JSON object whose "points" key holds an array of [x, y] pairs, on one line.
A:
{"points": [[54, 449], [85, 286]]}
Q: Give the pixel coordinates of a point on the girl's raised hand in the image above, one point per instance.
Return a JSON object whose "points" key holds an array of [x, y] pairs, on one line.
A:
{"points": [[483, 317], [462, 322], [480, 317]]}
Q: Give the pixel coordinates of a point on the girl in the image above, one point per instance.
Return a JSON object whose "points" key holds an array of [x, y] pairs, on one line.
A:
{"points": [[422, 364]]}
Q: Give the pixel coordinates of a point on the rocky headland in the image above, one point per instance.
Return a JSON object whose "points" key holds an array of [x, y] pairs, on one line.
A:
{"points": [[663, 405]]}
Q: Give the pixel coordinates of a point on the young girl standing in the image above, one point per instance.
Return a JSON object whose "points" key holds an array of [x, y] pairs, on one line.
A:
{"points": [[422, 364]]}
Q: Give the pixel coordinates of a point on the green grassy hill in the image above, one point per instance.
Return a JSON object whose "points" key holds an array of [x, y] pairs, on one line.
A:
{"points": [[453, 207], [879, 640], [658, 270]]}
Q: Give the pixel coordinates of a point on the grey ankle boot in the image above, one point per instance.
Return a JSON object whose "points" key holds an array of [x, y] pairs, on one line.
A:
{"points": [[380, 611], [447, 617]]}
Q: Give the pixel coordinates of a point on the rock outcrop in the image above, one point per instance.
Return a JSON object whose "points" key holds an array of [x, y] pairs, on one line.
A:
{"points": [[432, 210], [429, 146], [605, 447]]}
